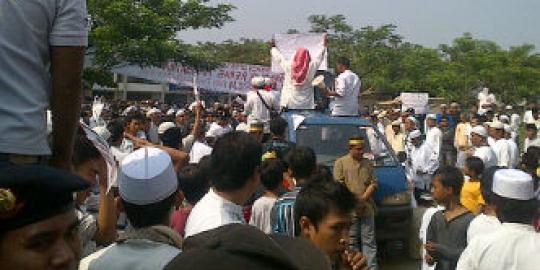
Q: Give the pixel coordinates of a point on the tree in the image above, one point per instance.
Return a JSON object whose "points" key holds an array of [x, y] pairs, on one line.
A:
{"points": [[144, 32]]}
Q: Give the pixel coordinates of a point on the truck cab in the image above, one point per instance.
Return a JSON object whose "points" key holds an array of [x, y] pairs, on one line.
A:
{"points": [[328, 136]]}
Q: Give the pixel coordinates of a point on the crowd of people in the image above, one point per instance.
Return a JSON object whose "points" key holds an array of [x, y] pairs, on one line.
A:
{"points": [[149, 185]]}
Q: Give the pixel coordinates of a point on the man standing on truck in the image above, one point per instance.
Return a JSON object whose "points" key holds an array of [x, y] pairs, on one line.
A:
{"points": [[347, 89], [358, 174]]}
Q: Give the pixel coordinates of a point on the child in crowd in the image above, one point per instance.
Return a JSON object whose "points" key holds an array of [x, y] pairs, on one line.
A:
{"points": [[471, 196], [447, 232], [486, 222], [193, 185], [271, 178]]}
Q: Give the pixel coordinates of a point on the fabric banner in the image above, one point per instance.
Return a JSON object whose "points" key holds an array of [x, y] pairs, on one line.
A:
{"points": [[288, 43], [229, 78], [418, 101]]}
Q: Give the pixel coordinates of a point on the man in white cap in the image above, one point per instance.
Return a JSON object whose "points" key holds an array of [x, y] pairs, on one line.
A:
{"points": [[481, 149], [516, 244], [148, 189], [501, 147], [235, 162], [154, 115], [433, 133], [260, 103], [512, 145], [182, 121], [422, 162]]}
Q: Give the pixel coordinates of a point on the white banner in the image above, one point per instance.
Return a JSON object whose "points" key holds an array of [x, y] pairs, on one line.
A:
{"points": [[418, 101], [230, 78], [288, 43]]}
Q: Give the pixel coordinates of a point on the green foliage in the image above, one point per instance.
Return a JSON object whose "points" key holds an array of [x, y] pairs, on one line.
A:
{"points": [[390, 65], [144, 32]]}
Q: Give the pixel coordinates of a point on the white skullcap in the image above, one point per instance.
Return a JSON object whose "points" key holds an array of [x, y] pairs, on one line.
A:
{"points": [[180, 112], [413, 120], [454, 104], [257, 81], [396, 123], [171, 112], [513, 184], [497, 125], [129, 109], [509, 107], [267, 81], [103, 132], [415, 134], [152, 111], [444, 105], [194, 104], [480, 130], [504, 117], [163, 127], [431, 116], [376, 112], [147, 176], [507, 128]]}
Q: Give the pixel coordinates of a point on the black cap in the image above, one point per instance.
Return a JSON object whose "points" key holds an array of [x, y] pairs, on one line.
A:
{"points": [[29, 194], [238, 246]]}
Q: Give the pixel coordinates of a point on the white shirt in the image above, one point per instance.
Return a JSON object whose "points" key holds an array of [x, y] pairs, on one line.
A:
{"points": [[260, 213], [528, 143], [217, 130], [211, 212], [515, 121], [198, 151], [297, 97], [514, 153], [481, 225], [424, 159], [28, 30], [486, 154], [513, 247], [434, 137], [242, 127], [502, 152], [528, 117], [348, 89], [255, 109]]}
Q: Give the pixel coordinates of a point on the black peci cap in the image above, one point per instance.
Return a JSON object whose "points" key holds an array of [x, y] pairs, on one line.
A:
{"points": [[29, 194]]}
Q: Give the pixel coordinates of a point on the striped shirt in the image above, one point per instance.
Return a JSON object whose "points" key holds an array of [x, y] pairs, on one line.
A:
{"points": [[282, 217]]}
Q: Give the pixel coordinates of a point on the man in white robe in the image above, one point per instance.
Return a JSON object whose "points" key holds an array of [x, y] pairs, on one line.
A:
{"points": [[298, 95], [516, 244], [347, 89], [434, 133], [480, 147], [254, 107], [501, 147], [422, 162]]}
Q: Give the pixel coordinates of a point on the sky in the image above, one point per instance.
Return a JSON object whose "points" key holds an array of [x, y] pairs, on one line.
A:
{"points": [[425, 22]]}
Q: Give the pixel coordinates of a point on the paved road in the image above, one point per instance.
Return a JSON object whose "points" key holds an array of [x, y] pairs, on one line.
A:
{"points": [[394, 257]]}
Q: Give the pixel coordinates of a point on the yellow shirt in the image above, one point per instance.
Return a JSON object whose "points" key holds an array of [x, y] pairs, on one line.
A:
{"points": [[471, 196]]}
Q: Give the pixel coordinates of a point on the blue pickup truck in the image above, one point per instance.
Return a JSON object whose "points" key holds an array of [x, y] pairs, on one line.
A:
{"points": [[328, 137]]}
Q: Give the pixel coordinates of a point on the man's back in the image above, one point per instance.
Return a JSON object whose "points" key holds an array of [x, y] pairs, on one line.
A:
{"points": [[133, 254], [28, 29], [513, 246]]}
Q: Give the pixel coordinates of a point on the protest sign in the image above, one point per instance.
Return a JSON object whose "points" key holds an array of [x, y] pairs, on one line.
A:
{"points": [[418, 101], [229, 78]]}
